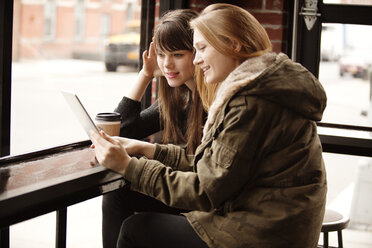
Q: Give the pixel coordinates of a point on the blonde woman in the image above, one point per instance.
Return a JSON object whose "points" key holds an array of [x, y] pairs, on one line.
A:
{"points": [[258, 177]]}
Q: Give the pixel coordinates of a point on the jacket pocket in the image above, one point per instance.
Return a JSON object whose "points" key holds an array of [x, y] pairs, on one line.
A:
{"points": [[222, 154]]}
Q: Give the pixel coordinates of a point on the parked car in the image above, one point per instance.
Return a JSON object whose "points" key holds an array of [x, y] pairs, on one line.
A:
{"points": [[123, 49], [329, 55], [355, 64]]}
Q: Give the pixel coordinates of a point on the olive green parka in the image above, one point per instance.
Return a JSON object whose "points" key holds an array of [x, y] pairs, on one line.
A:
{"points": [[258, 178]]}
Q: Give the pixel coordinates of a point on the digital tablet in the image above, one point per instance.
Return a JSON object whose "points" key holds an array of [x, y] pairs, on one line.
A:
{"points": [[80, 112]]}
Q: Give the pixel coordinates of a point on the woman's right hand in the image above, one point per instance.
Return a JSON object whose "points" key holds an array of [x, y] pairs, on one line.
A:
{"points": [[150, 64], [149, 71]]}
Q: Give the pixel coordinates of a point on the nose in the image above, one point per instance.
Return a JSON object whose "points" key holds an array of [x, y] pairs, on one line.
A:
{"points": [[197, 60], [168, 61]]}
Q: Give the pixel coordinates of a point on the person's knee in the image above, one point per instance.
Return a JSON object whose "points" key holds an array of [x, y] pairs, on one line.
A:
{"points": [[106, 202], [131, 227], [115, 201]]}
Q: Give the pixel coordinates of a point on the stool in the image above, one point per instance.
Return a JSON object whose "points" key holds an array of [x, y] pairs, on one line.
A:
{"points": [[333, 221]]}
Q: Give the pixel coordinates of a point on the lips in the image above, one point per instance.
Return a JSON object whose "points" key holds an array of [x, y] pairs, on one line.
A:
{"points": [[206, 68], [171, 74]]}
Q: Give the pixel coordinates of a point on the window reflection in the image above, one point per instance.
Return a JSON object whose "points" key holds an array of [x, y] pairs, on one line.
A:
{"points": [[345, 72]]}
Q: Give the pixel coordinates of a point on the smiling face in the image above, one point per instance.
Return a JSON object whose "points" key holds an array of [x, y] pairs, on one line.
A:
{"points": [[215, 65], [177, 66]]}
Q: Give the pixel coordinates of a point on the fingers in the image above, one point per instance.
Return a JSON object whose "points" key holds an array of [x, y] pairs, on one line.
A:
{"points": [[144, 55], [102, 143], [106, 136], [152, 49], [150, 53], [101, 138], [95, 137]]}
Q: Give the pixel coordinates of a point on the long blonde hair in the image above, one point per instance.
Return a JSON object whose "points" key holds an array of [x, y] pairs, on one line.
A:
{"points": [[223, 26], [174, 33], [207, 92]]}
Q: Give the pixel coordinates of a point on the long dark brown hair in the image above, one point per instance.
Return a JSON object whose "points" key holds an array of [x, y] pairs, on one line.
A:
{"points": [[171, 34]]}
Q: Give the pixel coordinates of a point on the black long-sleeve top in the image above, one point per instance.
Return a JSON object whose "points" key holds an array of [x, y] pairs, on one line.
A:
{"points": [[135, 123]]}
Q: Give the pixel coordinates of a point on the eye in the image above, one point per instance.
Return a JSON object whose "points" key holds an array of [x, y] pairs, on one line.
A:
{"points": [[200, 48], [160, 55], [178, 55]]}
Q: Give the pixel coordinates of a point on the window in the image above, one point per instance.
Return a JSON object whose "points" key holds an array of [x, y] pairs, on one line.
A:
{"points": [[105, 24], [338, 50], [72, 59], [345, 67], [43, 68], [129, 11], [50, 19], [79, 19]]}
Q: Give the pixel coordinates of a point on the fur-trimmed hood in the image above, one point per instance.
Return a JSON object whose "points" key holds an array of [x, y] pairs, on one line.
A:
{"points": [[276, 78]]}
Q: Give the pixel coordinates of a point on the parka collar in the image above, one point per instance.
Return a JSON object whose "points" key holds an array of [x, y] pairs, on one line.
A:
{"points": [[277, 79]]}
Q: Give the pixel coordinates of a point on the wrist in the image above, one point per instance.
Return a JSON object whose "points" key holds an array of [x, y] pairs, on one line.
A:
{"points": [[145, 75], [125, 165], [148, 150]]}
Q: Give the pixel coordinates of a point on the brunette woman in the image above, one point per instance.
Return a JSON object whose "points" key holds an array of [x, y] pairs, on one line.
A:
{"points": [[178, 112]]}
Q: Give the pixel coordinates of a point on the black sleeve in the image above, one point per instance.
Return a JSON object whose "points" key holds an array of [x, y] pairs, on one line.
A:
{"points": [[136, 123]]}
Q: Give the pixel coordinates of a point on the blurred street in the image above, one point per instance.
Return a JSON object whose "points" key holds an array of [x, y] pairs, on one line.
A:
{"points": [[39, 111]]}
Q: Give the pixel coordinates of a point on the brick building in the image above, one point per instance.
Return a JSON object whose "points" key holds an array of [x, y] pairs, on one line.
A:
{"points": [[68, 28]]}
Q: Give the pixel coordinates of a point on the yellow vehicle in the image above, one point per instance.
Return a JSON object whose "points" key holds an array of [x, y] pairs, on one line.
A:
{"points": [[123, 49]]}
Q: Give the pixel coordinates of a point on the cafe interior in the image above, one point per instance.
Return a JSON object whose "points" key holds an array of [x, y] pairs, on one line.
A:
{"points": [[53, 178]]}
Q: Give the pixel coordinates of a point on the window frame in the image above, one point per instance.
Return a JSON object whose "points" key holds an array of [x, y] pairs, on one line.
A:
{"points": [[6, 33]]}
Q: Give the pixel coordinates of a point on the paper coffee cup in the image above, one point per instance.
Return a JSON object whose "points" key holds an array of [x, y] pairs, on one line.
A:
{"points": [[109, 122]]}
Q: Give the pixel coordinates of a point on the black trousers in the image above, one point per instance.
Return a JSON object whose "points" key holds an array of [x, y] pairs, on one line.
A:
{"points": [[147, 230], [118, 205]]}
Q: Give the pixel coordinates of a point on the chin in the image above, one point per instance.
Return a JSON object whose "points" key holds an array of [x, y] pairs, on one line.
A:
{"points": [[209, 81], [175, 85]]}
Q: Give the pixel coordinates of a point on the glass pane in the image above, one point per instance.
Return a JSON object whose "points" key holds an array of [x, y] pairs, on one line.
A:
{"points": [[345, 72], [79, 46], [355, 2]]}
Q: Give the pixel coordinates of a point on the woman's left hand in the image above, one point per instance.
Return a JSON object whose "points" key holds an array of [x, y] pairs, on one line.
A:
{"points": [[110, 153]]}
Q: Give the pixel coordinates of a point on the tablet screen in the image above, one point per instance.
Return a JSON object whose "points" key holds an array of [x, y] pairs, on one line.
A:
{"points": [[80, 112]]}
